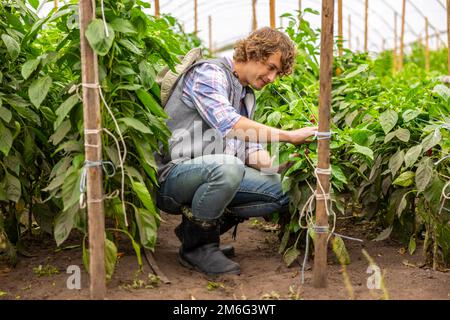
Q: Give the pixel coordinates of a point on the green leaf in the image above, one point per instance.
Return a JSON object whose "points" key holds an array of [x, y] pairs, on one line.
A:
{"points": [[147, 227], [443, 91], [12, 46], [64, 109], [38, 90], [338, 174], [396, 161], [390, 136], [405, 179], [432, 139], [363, 150], [28, 113], [34, 3], [410, 114], [71, 188], [144, 195], [291, 255], [96, 36], [402, 134], [29, 66], [388, 120], [5, 114], [424, 173], [135, 124], [131, 46], [147, 74], [60, 133], [360, 136], [412, 245], [110, 258], [412, 155], [123, 70], [12, 187], [150, 103], [384, 234], [123, 26], [274, 118], [64, 224], [6, 139], [340, 250], [361, 68]]}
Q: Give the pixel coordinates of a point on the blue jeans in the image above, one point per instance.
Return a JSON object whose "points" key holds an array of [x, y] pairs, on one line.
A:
{"points": [[211, 183]]}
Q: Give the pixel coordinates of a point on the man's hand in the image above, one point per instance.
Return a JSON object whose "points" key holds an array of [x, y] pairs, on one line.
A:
{"points": [[300, 136]]}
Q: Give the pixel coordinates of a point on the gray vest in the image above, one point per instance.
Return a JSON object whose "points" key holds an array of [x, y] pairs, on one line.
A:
{"points": [[192, 135]]}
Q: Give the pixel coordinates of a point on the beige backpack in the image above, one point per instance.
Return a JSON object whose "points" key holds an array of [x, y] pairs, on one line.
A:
{"points": [[167, 79]]}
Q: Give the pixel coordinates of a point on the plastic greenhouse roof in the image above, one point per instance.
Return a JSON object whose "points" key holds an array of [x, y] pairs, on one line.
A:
{"points": [[232, 19]]}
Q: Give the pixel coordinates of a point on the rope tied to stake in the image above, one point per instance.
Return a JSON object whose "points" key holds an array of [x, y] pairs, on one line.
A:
{"points": [[96, 131], [83, 180]]}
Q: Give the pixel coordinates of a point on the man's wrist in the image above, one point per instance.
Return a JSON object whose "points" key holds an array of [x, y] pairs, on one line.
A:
{"points": [[285, 136]]}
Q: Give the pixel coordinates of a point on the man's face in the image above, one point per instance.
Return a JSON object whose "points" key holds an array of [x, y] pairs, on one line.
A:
{"points": [[261, 73]]}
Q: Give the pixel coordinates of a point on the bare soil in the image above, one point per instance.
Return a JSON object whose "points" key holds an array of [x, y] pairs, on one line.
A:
{"points": [[264, 274]]}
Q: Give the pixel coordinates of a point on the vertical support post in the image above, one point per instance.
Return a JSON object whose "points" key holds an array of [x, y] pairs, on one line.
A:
{"points": [[383, 44], [92, 121], [349, 32], [402, 37], [395, 56], [340, 28], [366, 26], [195, 18], [326, 64], [157, 8], [448, 35], [427, 47], [299, 10], [56, 5], [210, 35], [254, 21], [272, 14]]}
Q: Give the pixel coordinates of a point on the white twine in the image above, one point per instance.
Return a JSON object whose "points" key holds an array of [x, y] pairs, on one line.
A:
{"points": [[121, 156], [104, 20]]}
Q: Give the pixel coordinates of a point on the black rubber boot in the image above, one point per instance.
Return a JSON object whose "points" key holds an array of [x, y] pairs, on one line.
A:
{"points": [[227, 250], [200, 248]]}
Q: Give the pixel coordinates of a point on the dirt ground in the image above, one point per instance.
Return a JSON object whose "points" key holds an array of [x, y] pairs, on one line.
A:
{"points": [[264, 275]]}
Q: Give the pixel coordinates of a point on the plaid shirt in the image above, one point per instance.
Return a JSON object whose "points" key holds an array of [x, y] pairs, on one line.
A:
{"points": [[207, 87]]}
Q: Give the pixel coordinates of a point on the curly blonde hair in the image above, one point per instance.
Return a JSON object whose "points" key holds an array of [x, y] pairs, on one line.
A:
{"points": [[264, 42]]}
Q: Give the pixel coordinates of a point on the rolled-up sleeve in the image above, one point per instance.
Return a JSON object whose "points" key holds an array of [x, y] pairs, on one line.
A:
{"points": [[207, 87]]}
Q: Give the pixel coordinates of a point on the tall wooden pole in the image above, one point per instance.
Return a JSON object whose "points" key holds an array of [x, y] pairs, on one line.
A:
{"points": [[56, 5], [448, 35], [272, 13], [350, 32], [402, 37], [395, 56], [210, 35], [300, 5], [340, 28], [427, 47], [93, 152], [383, 44], [254, 21], [195, 18], [157, 8], [326, 64], [366, 25]]}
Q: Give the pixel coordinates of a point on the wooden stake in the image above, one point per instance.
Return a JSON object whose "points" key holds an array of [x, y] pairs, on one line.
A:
{"points": [[326, 64], [56, 5], [448, 35], [195, 18], [254, 22], [272, 13], [340, 28], [349, 32], [300, 5], [395, 57], [366, 26], [383, 44], [92, 121], [427, 48], [157, 8], [210, 35], [402, 37]]}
